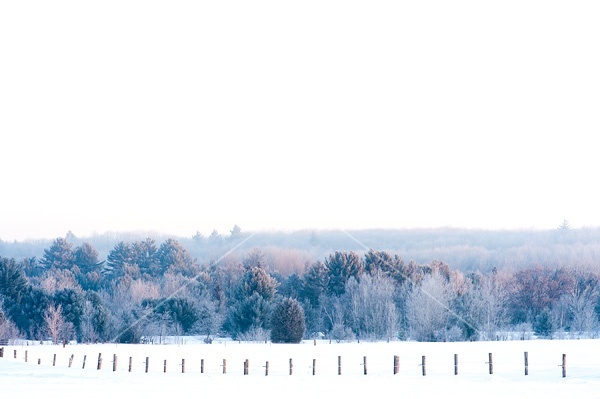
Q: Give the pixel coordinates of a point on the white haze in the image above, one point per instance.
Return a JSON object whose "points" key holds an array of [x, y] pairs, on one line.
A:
{"points": [[184, 116]]}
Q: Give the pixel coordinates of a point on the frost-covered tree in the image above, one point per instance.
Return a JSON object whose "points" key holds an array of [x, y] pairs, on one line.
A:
{"points": [[581, 302], [251, 305], [8, 329], [342, 266], [57, 327], [144, 254], [117, 259], [94, 319], [483, 306], [315, 282], [428, 308], [172, 256], [60, 255], [381, 262], [287, 322], [372, 310], [12, 279], [86, 258]]}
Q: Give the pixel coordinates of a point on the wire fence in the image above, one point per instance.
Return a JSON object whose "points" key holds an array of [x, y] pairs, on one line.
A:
{"points": [[305, 362]]}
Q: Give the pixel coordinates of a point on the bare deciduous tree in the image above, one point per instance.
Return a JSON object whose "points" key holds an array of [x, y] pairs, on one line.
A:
{"points": [[88, 331], [582, 300], [54, 322], [373, 313], [428, 307], [8, 329], [485, 305]]}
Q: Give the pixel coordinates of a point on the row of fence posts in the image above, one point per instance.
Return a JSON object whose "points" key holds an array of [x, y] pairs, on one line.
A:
{"points": [[490, 364]]}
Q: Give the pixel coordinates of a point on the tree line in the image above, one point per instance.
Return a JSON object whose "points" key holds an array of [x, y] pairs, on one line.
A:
{"points": [[144, 290], [464, 249]]}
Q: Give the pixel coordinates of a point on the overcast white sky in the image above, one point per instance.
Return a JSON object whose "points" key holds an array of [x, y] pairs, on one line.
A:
{"points": [[178, 116]]}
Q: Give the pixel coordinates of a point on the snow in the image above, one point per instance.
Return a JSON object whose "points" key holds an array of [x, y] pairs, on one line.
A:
{"points": [[30, 380]]}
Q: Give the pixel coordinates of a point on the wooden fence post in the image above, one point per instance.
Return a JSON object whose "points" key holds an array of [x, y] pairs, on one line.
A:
{"points": [[291, 366], [15, 354], [71, 360], [165, 366], [99, 361], [423, 366], [267, 368], [84, 357], [25, 356], [54, 360], [396, 364], [1, 352], [491, 363], [246, 364], [456, 364], [201, 366], [224, 366], [526, 363], [130, 364], [564, 365], [39, 361], [339, 365], [114, 362], [147, 364], [182, 366], [364, 365], [314, 368]]}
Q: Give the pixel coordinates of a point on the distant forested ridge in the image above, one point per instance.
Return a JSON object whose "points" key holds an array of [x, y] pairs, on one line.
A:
{"points": [[463, 249], [429, 285]]}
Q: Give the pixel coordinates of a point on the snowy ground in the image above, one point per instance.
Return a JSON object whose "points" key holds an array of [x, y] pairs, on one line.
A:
{"points": [[20, 379]]}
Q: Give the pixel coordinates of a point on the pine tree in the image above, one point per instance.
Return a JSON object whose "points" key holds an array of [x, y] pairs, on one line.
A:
{"points": [[86, 258], [118, 257], [60, 255], [12, 279], [316, 280], [252, 300], [173, 256], [342, 266]]}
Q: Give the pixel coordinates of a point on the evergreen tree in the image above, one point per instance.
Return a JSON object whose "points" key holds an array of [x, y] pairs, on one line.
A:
{"points": [[95, 319], [215, 239], [235, 233], [118, 258], [144, 254], [180, 310], [342, 266], [174, 257], [288, 323], [315, 282], [257, 280], [72, 304], [251, 313], [27, 312], [292, 286], [382, 262], [60, 255], [251, 302], [23, 304], [12, 279], [86, 258]]}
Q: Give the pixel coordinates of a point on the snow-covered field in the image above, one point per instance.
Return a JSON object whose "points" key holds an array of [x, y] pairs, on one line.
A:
{"points": [[20, 379]]}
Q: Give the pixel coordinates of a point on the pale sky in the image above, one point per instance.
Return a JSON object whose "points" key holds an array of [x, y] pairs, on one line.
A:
{"points": [[178, 116]]}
